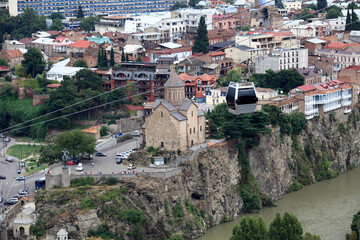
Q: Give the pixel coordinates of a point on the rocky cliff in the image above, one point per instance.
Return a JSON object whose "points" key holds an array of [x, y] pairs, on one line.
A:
{"points": [[207, 191]]}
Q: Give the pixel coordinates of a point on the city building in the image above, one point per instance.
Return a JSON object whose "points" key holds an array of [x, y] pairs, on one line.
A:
{"points": [[12, 44], [337, 23], [282, 59], [324, 97], [292, 5], [197, 86], [311, 76], [12, 56], [83, 50], [221, 35], [350, 74], [175, 123], [313, 29], [265, 93], [216, 96], [51, 47], [242, 53], [69, 8], [192, 17]]}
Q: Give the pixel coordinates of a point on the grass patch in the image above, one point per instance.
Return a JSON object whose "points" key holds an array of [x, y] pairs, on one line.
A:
{"points": [[34, 169], [22, 151], [80, 127], [29, 139]]}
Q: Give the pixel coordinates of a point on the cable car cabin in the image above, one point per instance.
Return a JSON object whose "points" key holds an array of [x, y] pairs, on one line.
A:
{"points": [[241, 98]]}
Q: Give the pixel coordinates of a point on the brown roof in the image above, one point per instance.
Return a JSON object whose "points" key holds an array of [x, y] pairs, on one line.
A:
{"points": [[81, 44], [14, 53], [52, 32], [26, 40], [216, 33]]}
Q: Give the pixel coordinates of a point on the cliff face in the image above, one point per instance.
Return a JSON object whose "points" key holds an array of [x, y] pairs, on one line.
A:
{"points": [[205, 193]]}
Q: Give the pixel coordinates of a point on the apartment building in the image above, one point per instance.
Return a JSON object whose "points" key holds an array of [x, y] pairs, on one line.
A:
{"points": [[268, 41], [224, 21], [337, 23], [282, 59], [192, 17], [325, 97], [313, 29], [69, 8], [197, 86], [292, 5], [216, 96], [221, 35], [344, 54], [242, 53], [51, 47]]}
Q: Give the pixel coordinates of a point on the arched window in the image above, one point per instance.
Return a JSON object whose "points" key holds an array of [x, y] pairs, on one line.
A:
{"points": [[194, 129], [161, 114], [200, 128], [173, 95], [190, 130]]}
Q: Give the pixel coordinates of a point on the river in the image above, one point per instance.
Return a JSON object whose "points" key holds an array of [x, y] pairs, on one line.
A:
{"points": [[325, 208]]}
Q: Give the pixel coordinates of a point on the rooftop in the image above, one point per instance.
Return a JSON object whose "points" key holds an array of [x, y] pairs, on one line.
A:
{"points": [[81, 44]]}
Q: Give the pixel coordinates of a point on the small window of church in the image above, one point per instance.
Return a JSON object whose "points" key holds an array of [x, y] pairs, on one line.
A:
{"points": [[190, 130], [192, 113], [194, 129], [161, 114], [200, 128]]}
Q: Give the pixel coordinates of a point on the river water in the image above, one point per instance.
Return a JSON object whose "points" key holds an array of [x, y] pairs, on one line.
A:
{"points": [[324, 208]]}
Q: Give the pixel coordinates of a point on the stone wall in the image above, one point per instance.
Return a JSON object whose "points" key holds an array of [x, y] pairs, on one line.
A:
{"points": [[39, 99]]}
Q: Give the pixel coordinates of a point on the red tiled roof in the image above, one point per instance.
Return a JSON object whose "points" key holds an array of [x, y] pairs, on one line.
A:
{"points": [[81, 44], [220, 16], [4, 68], [306, 88], [218, 53], [134, 108], [14, 53], [356, 68], [184, 76], [53, 85], [217, 33], [340, 45]]}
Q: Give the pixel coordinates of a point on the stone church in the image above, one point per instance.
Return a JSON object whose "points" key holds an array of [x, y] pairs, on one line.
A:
{"points": [[175, 122]]}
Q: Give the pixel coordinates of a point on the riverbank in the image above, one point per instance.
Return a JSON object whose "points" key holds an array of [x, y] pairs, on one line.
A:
{"points": [[324, 208]]}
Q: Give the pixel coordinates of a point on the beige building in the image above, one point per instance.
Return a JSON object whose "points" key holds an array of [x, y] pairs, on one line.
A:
{"points": [[23, 221], [175, 122], [265, 93], [292, 5], [242, 53], [216, 96]]}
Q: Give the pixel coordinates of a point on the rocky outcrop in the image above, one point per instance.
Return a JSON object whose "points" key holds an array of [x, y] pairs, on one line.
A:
{"points": [[206, 192]]}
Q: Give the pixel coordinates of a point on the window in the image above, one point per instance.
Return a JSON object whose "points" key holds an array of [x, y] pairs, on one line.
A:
{"points": [[194, 129], [161, 114], [192, 113], [162, 144], [190, 130]]}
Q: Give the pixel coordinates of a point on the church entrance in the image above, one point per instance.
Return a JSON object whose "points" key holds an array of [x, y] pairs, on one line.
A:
{"points": [[192, 142], [22, 231]]}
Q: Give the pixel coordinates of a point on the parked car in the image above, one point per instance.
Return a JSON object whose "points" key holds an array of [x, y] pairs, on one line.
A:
{"points": [[17, 197], [9, 159], [20, 178], [23, 194], [14, 199], [118, 160], [70, 162], [9, 202], [87, 156], [2, 177], [131, 166], [2, 135], [76, 161], [1, 199], [7, 139], [100, 154], [79, 167], [23, 191], [19, 171]]}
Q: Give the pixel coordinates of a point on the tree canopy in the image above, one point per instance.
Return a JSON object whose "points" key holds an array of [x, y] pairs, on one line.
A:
{"points": [[3, 62], [201, 40], [33, 62], [250, 229], [56, 15], [333, 13], [284, 80], [75, 142], [234, 75], [279, 4], [80, 63], [80, 13], [321, 4], [88, 24], [57, 25], [178, 5], [88, 79]]}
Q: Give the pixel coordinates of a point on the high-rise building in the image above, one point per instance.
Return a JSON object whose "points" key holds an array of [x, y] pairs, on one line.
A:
{"points": [[69, 8]]}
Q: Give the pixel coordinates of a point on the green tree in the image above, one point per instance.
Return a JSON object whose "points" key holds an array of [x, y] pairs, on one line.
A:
{"points": [[63, 96], [309, 236], [29, 23], [250, 229], [333, 13], [348, 21], [103, 131], [56, 15], [57, 25], [321, 4], [312, 6], [275, 229], [355, 225], [306, 14], [201, 40], [75, 142], [80, 63], [112, 58], [193, 3], [354, 20], [234, 75], [139, 59], [88, 24], [122, 56], [287, 227], [127, 58], [20, 70], [33, 62], [48, 155], [3, 62], [279, 4], [8, 78], [178, 5], [80, 13], [88, 79]]}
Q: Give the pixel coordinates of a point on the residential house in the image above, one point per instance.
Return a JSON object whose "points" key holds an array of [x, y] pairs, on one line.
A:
{"points": [[83, 50], [325, 97], [4, 71], [242, 53], [264, 94], [60, 69], [12, 56], [311, 76], [221, 46], [175, 122], [287, 104], [73, 35], [337, 23], [12, 44], [148, 40], [191, 66], [315, 44], [178, 54], [350, 74], [282, 59], [326, 64], [313, 29], [221, 35], [216, 96], [292, 5], [100, 40], [197, 86], [242, 17], [223, 21], [26, 41], [192, 17], [51, 47]]}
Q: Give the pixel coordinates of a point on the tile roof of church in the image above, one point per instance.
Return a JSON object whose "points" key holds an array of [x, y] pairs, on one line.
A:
{"points": [[174, 81]]}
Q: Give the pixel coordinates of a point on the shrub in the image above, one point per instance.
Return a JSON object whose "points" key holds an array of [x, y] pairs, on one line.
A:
{"points": [[38, 229], [189, 225], [150, 149], [102, 231], [111, 181], [167, 210], [132, 216], [88, 203], [8, 78], [77, 182], [103, 131], [178, 211], [341, 128], [252, 201], [295, 186]]}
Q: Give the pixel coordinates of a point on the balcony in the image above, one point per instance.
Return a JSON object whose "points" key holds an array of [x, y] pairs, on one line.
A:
{"points": [[347, 110], [312, 111]]}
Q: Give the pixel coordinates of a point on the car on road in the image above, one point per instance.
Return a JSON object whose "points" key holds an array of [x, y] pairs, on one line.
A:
{"points": [[14, 199], [100, 154], [19, 171], [20, 178], [9, 159], [79, 167], [87, 156], [131, 166], [118, 160], [2, 135], [7, 139], [9, 202], [23, 194], [72, 162], [2, 177]]}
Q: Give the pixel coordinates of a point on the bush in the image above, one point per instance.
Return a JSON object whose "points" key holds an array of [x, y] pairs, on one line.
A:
{"points": [[103, 131], [295, 186], [8, 78], [77, 182], [102, 231], [87, 203], [252, 201], [111, 181], [150, 149], [38, 229], [132, 216], [167, 210], [178, 211]]}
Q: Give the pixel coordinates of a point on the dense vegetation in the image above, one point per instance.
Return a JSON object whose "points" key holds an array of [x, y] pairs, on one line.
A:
{"points": [[354, 227], [281, 228]]}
